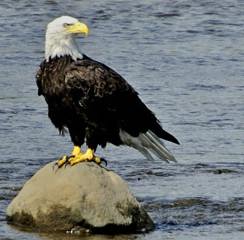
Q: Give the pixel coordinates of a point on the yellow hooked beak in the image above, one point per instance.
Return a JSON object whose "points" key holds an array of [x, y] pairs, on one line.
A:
{"points": [[78, 28]]}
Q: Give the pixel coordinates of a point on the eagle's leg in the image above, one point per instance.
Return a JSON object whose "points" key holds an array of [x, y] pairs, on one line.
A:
{"points": [[65, 159], [87, 156]]}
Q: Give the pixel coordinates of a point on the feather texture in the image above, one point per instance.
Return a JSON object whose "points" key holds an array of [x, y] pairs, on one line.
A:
{"points": [[148, 143], [95, 103]]}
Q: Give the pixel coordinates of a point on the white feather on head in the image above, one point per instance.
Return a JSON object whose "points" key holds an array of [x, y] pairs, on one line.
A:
{"points": [[60, 42]]}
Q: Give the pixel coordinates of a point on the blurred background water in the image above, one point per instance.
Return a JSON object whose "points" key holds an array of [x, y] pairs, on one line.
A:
{"points": [[186, 58]]}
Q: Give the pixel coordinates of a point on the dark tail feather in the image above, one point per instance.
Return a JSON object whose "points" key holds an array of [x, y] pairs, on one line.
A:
{"points": [[164, 135], [167, 136]]}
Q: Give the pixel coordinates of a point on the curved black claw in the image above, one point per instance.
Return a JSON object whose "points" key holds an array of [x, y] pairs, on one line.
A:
{"points": [[67, 160], [62, 161], [54, 166], [103, 160]]}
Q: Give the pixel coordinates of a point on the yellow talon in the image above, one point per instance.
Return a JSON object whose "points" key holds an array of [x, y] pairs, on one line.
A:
{"points": [[65, 159], [87, 156], [76, 151], [61, 161], [78, 156], [97, 160]]}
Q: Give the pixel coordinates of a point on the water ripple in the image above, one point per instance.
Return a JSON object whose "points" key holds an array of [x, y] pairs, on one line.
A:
{"points": [[185, 58]]}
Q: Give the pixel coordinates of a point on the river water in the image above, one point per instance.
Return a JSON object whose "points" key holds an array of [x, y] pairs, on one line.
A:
{"points": [[186, 58]]}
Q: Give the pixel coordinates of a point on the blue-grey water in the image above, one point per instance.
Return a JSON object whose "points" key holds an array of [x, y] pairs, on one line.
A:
{"points": [[186, 58]]}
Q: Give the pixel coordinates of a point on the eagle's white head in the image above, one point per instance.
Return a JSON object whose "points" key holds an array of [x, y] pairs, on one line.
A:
{"points": [[60, 37]]}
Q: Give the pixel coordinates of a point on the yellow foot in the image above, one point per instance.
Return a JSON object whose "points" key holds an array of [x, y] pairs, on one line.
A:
{"points": [[61, 161], [65, 159], [87, 156], [77, 156]]}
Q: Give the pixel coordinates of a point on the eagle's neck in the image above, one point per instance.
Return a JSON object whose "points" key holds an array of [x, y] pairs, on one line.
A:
{"points": [[58, 46]]}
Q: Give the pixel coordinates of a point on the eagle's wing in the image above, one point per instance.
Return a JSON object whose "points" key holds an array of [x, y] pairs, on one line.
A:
{"points": [[94, 84], [39, 81]]}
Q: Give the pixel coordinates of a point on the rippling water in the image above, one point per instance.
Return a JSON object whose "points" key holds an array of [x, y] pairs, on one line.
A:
{"points": [[186, 58]]}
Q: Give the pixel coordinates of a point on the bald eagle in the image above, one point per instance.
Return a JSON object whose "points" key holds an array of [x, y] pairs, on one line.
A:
{"points": [[93, 101]]}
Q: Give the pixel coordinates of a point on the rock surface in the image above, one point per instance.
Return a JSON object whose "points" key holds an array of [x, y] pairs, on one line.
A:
{"points": [[85, 195]]}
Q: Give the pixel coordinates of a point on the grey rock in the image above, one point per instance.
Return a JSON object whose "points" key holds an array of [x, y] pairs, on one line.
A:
{"points": [[86, 196]]}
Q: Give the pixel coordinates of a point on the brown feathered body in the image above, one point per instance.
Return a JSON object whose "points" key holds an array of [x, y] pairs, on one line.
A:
{"points": [[94, 103]]}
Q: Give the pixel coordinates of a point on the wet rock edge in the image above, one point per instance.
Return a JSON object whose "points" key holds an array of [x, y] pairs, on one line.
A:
{"points": [[58, 220]]}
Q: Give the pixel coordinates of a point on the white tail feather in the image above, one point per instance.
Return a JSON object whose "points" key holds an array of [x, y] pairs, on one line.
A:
{"points": [[147, 143]]}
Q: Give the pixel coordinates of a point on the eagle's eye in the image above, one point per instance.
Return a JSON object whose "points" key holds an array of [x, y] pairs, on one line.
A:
{"points": [[67, 24]]}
